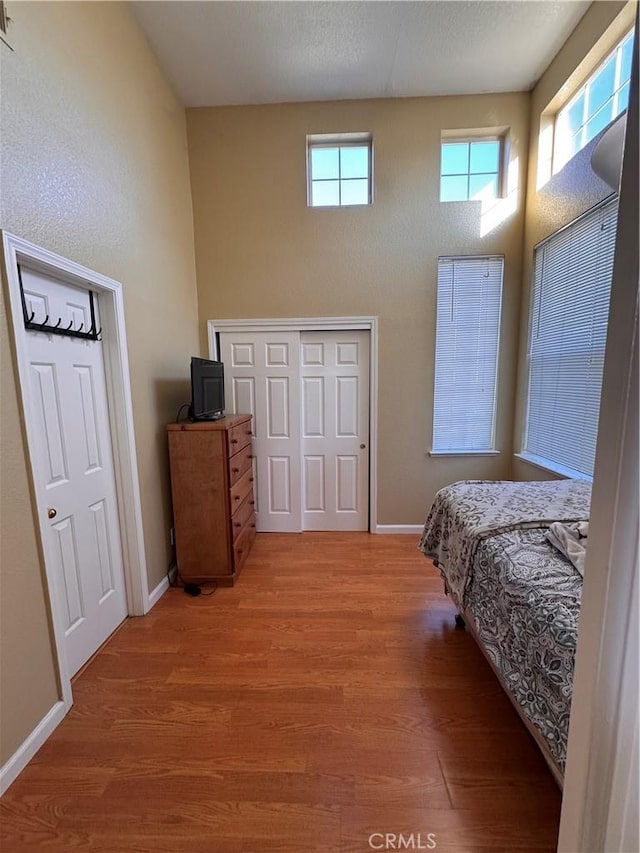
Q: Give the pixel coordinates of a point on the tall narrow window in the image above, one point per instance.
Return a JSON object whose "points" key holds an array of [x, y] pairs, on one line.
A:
{"points": [[567, 337], [467, 337]]}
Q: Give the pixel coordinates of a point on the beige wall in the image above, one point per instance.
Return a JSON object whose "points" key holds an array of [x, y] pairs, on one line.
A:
{"points": [[261, 252], [576, 187], [94, 166]]}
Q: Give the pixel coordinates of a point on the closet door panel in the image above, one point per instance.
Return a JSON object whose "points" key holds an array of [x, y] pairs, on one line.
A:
{"points": [[335, 430], [262, 378]]}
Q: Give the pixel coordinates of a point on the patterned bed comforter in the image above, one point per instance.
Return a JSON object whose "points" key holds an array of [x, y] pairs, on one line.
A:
{"points": [[525, 602], [489, 541], [466, 513]]}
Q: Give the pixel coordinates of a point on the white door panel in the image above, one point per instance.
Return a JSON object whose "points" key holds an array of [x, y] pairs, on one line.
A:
{"points": [[262, 377], [347, 484], [75, 467], [335, 430]]}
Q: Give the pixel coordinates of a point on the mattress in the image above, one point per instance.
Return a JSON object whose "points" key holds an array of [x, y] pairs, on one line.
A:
{"points": [[524, 598]]}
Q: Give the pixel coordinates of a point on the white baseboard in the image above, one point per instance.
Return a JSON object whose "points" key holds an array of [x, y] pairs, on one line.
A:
{"points": [[399, 528], [10, 771], [156, 594]]}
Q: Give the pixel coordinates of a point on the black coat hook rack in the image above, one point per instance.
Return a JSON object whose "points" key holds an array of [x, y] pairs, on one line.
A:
{"points": [[92, 334]]}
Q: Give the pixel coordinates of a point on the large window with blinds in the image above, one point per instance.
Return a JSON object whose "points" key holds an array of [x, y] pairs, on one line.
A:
{"points": [[567, 338], [466, 368]]}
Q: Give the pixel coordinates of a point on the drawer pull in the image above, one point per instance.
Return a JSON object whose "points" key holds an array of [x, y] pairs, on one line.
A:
{"points": [[234, 470], [239, 550], [236, 497], [252, 525], [251, 479], [234, 441], [248, 432], [253, 503], [237, 524]]}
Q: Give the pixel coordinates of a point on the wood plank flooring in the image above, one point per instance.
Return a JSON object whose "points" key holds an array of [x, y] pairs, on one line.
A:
{"points": [[326, 697]]}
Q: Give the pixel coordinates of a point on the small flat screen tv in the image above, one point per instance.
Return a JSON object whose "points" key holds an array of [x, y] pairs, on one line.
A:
{"points": [[207, 390]]}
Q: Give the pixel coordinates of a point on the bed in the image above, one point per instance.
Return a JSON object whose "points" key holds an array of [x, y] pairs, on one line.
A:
{"points": [[516, 594]]}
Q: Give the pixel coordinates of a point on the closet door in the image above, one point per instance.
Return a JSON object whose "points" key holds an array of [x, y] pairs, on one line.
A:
{"points": [[335, 430], [262, 377]]}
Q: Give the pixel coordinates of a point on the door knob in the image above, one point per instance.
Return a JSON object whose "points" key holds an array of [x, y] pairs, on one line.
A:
{"points": [[362, 446], [51, 512]]}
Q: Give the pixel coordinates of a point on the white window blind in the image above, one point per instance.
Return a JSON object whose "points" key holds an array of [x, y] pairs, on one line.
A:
{"points": [[567, 338], [467, 335]]}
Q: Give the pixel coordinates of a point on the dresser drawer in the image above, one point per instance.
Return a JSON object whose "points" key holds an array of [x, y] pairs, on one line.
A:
{"points": [[241, 490], [238, 437], [240, 463], [244, 515], [242, 545]]}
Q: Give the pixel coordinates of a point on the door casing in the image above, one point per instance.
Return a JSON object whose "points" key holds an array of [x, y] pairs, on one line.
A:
{"points": [[16, 251], [323, 324]]}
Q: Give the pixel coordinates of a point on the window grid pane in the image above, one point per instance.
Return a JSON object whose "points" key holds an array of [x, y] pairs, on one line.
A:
{"points": [[467, 335], [325, 193], [602, 86], [484, 157], [455, 158], [483, 186], [454, 188], [345, 172], [567, 338], [325, 163], [354, 162], [354, 191], [623, 98]]}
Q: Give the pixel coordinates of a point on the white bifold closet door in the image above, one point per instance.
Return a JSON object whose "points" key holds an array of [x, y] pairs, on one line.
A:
{"points": [[308, 393]]}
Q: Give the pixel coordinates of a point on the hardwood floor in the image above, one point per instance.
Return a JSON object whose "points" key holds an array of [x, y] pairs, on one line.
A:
{"points": [[326, 697]]}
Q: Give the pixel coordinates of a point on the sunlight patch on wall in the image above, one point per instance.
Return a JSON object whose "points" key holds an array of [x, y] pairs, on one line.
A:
{"points": [[496, 210], [545, 150]]}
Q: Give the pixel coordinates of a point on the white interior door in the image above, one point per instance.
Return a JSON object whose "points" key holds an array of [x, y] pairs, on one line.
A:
{"points": [[262, 376], [74, 468], [335, 430]]}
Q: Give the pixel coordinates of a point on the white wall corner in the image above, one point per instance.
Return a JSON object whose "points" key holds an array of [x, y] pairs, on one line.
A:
{"points": [[10, 771], [156, 594]]}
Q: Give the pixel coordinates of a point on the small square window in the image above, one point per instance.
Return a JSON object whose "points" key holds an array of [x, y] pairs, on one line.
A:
{"points": [[470, 170], [339, 170]]}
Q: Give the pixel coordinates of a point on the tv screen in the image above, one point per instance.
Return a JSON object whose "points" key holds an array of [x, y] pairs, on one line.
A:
{"points": [[207, 390]]}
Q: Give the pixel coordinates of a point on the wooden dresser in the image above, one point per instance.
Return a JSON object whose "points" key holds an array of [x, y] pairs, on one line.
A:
{"points": [[213, 502]]}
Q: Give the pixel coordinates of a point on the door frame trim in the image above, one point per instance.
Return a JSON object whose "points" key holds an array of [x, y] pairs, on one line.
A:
{"points": [[322, 324], [118, 384]]}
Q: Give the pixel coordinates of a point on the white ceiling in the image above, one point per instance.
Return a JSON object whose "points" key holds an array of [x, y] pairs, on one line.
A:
{"points": [[269, 52]]}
